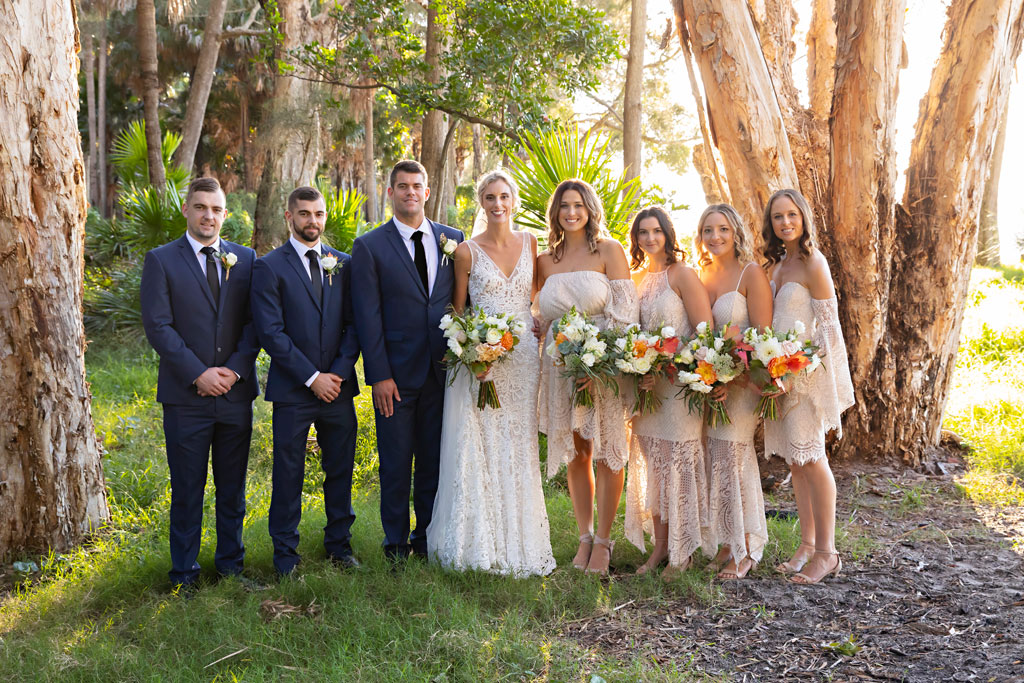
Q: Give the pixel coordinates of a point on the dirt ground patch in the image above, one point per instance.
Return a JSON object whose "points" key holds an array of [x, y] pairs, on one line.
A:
{"points": [[935, 594]]}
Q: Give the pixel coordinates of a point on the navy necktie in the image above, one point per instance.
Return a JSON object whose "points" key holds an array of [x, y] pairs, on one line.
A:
{"points": [[314, 274], [211, 273]]}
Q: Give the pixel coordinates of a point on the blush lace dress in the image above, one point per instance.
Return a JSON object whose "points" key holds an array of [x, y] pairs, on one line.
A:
{"points": [[735, 502], [667, 468], [489, 511], [608, 303], [816, 400]]}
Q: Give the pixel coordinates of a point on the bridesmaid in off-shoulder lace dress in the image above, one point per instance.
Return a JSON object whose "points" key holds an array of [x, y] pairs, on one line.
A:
{"points": [[667, 486], [741, 297], [802, 284], [584, 267]]}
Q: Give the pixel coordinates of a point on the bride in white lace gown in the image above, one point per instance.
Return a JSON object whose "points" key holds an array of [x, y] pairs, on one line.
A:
{"points": [[489, 511]]}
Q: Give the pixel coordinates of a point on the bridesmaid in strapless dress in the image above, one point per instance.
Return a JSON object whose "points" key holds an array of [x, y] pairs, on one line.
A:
{"points": [[584, 267], [803, 288], [740, 297], [667, 486]]}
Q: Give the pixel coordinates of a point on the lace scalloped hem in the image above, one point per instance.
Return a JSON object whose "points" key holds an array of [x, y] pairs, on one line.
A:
{"points": [[801, 455], [735, 502], [543, 567]]}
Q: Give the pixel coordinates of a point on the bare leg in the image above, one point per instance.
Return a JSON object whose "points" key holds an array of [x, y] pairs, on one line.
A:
{"points": [[580, 476], [660, 551], [805, 511], [822, 489], [609, 491]]}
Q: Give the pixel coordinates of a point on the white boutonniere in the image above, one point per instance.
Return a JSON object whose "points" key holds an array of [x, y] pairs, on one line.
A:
{"points": [[331, 266], [228, 260], [448, 248]]}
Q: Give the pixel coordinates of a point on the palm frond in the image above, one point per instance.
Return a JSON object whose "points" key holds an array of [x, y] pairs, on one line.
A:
{"points": [[345, 220]]}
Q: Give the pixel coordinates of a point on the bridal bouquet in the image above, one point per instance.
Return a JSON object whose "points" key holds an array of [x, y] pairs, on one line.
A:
{"points": [[582, 351], [478, 340], [709, 360], [770, 357], [643, 354]]}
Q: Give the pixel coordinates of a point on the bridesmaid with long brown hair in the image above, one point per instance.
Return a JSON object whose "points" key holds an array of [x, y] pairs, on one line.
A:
{"points": [[804, 293], [584, 267]]}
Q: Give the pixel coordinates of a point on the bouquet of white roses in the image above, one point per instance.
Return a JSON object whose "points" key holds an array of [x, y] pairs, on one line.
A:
{"points": [[770, 357], [644, 354], [478, 340], [581, 349], [707, 361]]}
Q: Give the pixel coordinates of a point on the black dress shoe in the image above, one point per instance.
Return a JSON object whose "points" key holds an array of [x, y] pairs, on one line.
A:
{"points": [[346, 561]]}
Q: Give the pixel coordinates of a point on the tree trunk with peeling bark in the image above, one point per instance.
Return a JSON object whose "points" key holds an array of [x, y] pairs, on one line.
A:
{"points": [[988, 226], [101, 112], [145, 14], [901, 270], [289, 135], [51, 477], [434, 126], [202, 81], [369, 159], [92, 177], [632, 108]]}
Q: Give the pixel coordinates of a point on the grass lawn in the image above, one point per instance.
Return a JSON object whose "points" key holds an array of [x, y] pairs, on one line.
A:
{"points": [[105, 611]]}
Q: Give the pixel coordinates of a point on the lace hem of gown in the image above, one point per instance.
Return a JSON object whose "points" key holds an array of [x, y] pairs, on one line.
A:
{"points": [[829, 387], [735, 503], [668, 478]]}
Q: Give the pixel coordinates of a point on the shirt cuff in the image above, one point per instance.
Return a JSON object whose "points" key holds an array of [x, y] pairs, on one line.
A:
{"points": [[312, 378]]}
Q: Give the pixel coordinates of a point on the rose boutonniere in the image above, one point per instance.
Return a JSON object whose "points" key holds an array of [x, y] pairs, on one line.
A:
{"points": [[331, 266], [448, 248], [228, 260]]}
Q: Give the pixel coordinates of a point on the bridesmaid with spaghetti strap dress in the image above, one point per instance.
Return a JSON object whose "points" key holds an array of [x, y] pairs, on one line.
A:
{"points": [[814, 403], [666, 491], [741, 297], [584, 267]]}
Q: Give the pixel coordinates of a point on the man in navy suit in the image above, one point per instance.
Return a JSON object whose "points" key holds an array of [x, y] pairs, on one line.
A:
{"points": [[196, 313], [303, 311], [404, 285]]}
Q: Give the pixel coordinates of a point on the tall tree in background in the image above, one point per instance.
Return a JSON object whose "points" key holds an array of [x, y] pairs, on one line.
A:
{"points": [[988, 227], [632, 111], [901, 270], [433, 129], [145, 15], [52, 490], [202, 80]]}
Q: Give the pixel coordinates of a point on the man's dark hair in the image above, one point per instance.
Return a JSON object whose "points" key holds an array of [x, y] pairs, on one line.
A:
{"points": [[407, 166], [305, 193], [202, 185]]}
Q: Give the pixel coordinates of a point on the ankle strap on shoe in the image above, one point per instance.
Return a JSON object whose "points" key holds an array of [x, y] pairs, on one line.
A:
{"points": [[602, 541], [586, 538]]}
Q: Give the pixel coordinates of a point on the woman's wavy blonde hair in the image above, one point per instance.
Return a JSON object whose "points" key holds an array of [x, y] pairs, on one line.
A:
{"points": [[595, 228], [494, 176], [743, 241]]}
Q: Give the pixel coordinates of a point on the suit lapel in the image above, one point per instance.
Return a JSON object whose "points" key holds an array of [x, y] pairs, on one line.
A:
{"points": [[192, 263], [300, 271], [225, 280], [396, 240], [328, 282], [444, 273]]}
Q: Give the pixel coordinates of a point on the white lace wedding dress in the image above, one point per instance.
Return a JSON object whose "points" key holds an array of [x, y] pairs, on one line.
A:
{"points": [[489, 511]]}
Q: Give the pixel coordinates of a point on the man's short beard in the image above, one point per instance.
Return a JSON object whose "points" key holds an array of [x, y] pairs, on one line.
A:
{"points": [[302, 233]]}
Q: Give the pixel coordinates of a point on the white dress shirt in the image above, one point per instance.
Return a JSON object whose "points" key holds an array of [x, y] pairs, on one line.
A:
{"points": [[429, 247], [301, 250], [201, 257]]}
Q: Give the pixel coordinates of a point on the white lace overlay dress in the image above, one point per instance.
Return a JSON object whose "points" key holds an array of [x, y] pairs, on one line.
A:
{"points": [[489, 511], [609, 303], [667, 469], [735, 502], [816, 400]]}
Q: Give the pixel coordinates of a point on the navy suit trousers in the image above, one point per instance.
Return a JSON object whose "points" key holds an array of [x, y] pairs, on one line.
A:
{"points": [[190, 433], [413, 430], [336, 434]]}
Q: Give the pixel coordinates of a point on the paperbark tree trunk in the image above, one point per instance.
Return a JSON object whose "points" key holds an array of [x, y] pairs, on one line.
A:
{"points": [[289, 135], [901, 270], [746, 121], [369, 159], [632, 108], [101, 113], [434, 125], [988, 225], [202, 80], [145, 15], [51, 478], [90, 105]]}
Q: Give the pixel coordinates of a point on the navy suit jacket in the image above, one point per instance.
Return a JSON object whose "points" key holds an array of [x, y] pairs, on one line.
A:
{"points": [[396, 320], [190, 331], [302, 335]]}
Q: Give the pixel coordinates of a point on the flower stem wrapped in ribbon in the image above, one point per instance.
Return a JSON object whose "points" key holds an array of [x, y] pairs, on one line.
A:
{"points": [[227, 260], [642, 354], [707, 361], [582, 351], [478, 340], [770, 358]]}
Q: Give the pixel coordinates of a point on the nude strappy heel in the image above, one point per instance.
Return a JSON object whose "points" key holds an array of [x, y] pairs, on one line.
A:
{"points": [[608, 543], [581, 564]]}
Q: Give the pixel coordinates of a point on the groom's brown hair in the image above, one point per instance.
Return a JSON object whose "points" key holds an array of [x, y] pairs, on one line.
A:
{"points": [[407, 166]]}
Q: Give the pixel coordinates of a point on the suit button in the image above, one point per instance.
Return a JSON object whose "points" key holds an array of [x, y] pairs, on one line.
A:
{"points": [[218, 349]]}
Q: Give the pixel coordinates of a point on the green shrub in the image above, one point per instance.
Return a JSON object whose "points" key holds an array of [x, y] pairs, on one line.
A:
{"points": [[345, 220]]}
